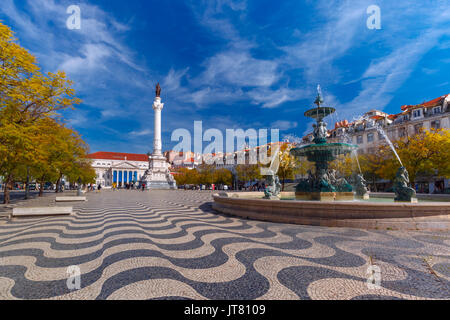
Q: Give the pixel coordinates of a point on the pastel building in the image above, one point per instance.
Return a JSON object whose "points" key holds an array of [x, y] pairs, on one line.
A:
{"points": [[433, 114], [118, 168]]}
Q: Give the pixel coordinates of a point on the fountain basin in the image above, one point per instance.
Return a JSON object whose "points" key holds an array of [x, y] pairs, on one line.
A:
{"points": [[325, 196], [352, 214], [320, 113]]}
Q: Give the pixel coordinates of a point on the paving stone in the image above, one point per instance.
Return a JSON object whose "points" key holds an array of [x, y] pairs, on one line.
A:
{"points": [[172, 245]]}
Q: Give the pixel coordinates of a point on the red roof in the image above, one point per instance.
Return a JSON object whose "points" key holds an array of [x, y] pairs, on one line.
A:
{"points": [[118, 156], [431, 103], [434, 102]]}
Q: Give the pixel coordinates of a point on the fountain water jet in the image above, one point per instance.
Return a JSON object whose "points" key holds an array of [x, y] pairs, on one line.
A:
{"points": [[403, 192], [381, 131]]}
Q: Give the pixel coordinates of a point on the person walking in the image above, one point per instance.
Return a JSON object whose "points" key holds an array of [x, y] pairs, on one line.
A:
{"points": [[143, 187], [99, 188]]}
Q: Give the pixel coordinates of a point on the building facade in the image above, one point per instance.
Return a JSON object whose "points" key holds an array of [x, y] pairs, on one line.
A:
{"points": [[118, 168], [366, 133], [227, 160]]}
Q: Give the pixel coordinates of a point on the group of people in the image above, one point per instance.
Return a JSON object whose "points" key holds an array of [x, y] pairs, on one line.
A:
{"points": [[129, 186], [92, 187]]}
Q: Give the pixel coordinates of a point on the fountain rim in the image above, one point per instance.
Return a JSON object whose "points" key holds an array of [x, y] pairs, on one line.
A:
{"points": [[325, 111], [348, 214], [333, 144]]}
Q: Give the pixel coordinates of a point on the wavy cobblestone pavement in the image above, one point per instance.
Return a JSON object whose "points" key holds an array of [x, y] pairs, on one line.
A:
{"points": [[172, 245]]}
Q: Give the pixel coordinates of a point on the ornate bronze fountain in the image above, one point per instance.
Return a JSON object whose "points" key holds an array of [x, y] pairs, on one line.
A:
{"points": [[322, 184]]}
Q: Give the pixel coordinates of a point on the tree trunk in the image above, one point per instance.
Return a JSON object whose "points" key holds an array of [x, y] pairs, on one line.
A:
{"points": [[27, 185], [41, 189], [58, 182], [6, 198]]}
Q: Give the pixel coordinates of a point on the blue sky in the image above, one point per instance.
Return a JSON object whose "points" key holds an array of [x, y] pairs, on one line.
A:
{"points": [[233, 63]]}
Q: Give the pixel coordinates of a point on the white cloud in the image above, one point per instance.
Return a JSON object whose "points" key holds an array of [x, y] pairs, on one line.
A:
{"points": [[385, 75], [92, 58], [239, 69], [269, 98], [284, 125], [318, 49], [172, 81], [144, 132], [96, 57]]}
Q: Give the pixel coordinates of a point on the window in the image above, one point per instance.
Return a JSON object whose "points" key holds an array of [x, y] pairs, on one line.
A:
{"points": [[359, 139], [370, 137], [437, 110], [436, 124], [417, 113], [380, 136], [418, 128], [401, 132]]}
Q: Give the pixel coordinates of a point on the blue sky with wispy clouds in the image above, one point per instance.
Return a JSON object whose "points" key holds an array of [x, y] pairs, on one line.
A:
{"points": [[233, 63]]}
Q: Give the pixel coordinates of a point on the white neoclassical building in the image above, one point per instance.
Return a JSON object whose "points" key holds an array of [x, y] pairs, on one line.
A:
{"points": [[119, 168]]}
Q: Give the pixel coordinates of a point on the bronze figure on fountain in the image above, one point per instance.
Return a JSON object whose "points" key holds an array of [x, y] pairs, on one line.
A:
{"points": [[403, 192]]}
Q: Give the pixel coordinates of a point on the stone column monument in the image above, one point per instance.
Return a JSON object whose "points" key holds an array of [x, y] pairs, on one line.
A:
{"points": [[157, 107], [158, 175]]}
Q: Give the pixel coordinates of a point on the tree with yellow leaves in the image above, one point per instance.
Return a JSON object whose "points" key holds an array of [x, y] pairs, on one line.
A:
{"points": [[223, 176], [345, 165], [27, 98], [425, 153], [248, 172], [289, 165]]}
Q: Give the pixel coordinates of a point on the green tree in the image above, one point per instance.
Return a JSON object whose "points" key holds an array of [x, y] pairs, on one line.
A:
{"points": [[223, 176], [425, 153], [248, 172], [289, 165], [26, 98]]}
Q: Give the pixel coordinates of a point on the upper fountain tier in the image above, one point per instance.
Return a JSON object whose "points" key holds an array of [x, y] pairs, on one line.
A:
{"points": [[320, 112], [321, 151]]}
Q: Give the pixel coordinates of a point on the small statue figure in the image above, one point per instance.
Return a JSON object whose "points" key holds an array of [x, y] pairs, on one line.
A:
{"points": [[332, 176], [325, 184], [401, 186], [306, 185], [273, 187], [277, 185], [158, 90], [340, 184], [320, 132], [361, 188]]}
